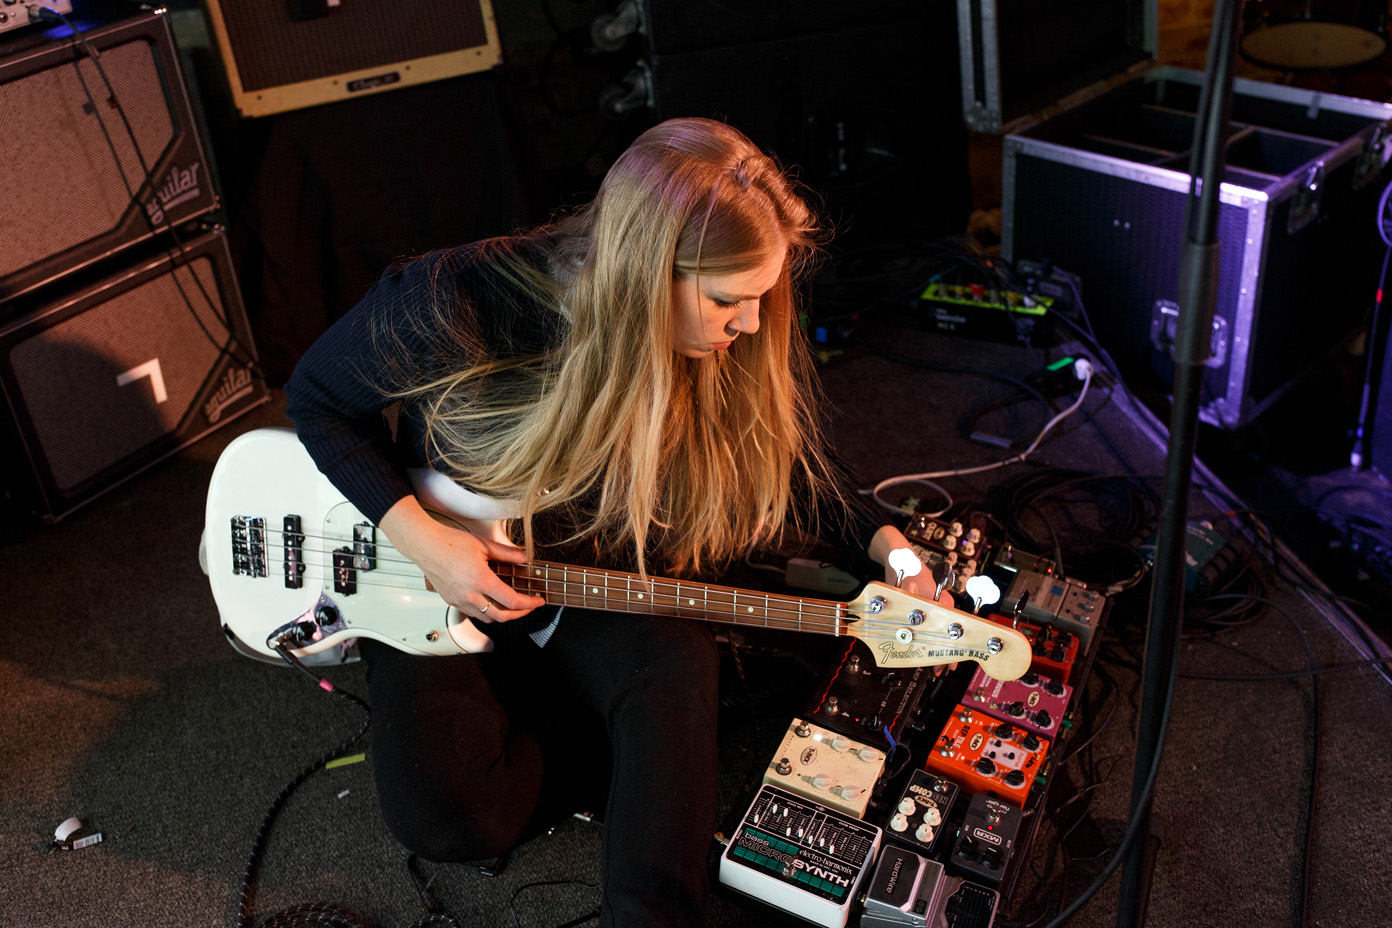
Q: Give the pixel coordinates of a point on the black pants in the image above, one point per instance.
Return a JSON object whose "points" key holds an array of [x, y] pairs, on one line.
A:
{"points": [[473, 754]]}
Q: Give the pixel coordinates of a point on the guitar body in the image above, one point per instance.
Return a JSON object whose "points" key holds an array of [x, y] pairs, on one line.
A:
{"points": [[261, 584], [294, 565]]}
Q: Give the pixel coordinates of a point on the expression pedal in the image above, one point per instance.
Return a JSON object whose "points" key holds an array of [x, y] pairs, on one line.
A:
{"points": [[826, 767], [909, 891], [799, 856]]}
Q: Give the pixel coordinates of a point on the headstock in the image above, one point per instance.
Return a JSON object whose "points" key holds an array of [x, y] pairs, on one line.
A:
{"points": [[903, 630]]}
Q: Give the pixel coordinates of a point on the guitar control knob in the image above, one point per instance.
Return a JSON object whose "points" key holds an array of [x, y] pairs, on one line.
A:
{"points": [[833, 705], [853, 665], [326, 615]]}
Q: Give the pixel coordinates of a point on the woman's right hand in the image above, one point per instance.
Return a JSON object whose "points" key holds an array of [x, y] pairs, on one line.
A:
{"points": [[455, 563]]}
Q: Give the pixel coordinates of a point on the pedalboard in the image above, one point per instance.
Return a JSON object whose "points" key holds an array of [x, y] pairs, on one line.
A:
{"points": [[961, 544], [826, 767], [863, 701], [1034, 593], [799, 856], [984, 754], [1034, 702], [919, 817], [986, 839], [910, 891], [1054, 651]]}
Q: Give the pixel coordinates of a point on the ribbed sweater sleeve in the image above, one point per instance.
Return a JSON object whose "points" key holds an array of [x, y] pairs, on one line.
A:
{"points": [[335, 395]]}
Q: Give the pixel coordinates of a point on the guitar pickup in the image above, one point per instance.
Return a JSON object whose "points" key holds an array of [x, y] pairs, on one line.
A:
{"points": [[344, 574], [365, 546], [293, 561], [249, 546]]}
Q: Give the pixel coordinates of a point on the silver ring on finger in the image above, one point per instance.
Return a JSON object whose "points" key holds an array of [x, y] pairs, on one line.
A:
{"points": [[483, 610]]}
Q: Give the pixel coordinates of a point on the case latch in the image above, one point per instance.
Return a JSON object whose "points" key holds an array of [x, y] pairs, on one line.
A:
{"points": [[1164, 328], [1374, 156], [1306, 202]]}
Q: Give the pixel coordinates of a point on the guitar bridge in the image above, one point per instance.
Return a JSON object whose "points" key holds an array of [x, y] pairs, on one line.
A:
{"points": [[249, 546]]}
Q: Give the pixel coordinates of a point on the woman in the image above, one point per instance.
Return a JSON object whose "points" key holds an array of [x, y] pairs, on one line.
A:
{"points": [[628, 383]]}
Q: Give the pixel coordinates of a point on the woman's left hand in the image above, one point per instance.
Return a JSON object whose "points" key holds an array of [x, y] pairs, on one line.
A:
{"points": [[922, 584]]}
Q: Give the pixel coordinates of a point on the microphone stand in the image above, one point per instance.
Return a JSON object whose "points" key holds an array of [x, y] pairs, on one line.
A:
{"points": [[1198, 287]]}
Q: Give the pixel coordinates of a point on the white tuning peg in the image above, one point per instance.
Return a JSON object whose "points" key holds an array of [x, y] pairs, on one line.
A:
{"points": [[983, 591], [904, 563]]}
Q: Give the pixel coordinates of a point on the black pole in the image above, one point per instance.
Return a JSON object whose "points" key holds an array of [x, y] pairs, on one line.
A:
{"points": [[1198, 286]]}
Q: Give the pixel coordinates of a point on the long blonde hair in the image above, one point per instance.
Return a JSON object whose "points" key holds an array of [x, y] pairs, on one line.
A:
{"points": [[691, 459]]}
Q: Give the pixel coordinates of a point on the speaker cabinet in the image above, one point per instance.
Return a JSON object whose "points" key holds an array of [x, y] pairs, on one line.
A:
{"points": [[91, 170], [290, 54], [103, 382]]}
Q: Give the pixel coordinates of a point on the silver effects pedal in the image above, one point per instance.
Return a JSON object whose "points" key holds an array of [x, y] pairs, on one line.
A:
{"points": [[909, 891]]}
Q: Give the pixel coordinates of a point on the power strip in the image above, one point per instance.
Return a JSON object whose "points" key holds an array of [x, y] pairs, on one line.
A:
{"points": [[823, 766]]}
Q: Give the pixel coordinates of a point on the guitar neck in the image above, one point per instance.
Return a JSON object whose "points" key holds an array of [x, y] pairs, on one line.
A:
{"points": [[617, 591]]}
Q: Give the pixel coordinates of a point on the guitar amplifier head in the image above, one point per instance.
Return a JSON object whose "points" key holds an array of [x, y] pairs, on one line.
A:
{"points": [[283, 56]]}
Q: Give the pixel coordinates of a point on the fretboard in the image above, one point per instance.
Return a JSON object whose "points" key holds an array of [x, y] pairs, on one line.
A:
{"points": [[616, 591]]}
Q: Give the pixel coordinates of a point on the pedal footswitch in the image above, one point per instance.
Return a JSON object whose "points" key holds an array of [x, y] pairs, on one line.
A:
{"points": [[799, 856]]}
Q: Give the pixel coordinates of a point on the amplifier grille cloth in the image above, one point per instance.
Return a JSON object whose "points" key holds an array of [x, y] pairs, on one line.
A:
{"points": [[272, 51], [68, 372], [69, 186]]}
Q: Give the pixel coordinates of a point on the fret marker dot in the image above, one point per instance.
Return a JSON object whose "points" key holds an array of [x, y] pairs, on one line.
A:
{"points": [[748, 608], [691, 602], [594, 589], [640, 595], [537, 573]]}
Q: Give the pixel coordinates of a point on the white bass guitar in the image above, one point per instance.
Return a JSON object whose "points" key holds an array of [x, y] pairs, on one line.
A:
{"points": [[294, 564]]}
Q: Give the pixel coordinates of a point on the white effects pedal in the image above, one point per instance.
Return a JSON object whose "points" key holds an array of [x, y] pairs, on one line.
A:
{"points": [[800, 857], [826, 767]]}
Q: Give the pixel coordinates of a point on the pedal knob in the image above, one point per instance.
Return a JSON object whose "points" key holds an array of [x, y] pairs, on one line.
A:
{"points": [[1043, 719], [851, 793], [822, 780], [833, 705], [899, 822], [1014, 779], [986, 767], [1053, 687], [924, 834], [1014, 709], [1004, 730], [1030, 742], [933, 817], [1031, 679], [869, 755], [906, 806]]}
